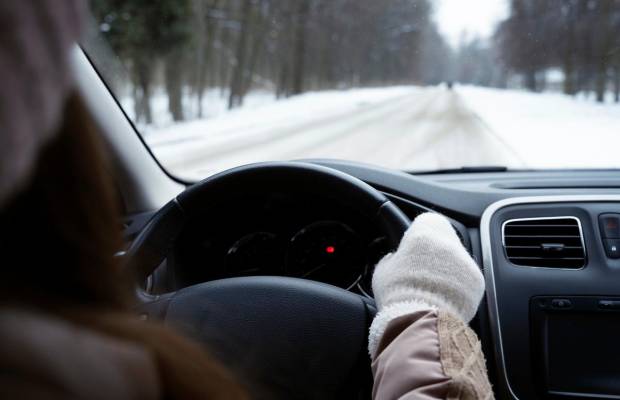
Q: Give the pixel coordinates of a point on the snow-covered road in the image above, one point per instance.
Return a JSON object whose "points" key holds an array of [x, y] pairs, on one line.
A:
{"points": [[409, 128]]}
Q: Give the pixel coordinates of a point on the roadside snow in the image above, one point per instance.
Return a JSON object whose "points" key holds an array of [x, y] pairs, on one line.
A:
{"points": [[550, 130]]}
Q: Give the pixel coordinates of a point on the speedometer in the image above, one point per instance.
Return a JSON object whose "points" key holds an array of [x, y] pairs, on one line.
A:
{"points": [[326, 251], [255, 254]]}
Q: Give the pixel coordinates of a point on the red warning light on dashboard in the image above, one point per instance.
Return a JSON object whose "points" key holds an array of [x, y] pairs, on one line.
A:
{"points": [[330, 249]]}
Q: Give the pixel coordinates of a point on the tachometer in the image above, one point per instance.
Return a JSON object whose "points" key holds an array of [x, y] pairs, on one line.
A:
{"points": [[326, 251]]}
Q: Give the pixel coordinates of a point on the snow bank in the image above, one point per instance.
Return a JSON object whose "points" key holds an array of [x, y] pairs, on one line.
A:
{"points": [[550, 130]]}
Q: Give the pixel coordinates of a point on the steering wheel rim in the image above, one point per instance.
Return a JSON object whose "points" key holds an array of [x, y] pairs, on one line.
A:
{"points": [[327, 325]]}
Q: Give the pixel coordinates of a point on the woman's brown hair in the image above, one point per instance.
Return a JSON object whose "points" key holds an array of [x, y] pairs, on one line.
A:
{"points": [[59, 235], [57, 240]]}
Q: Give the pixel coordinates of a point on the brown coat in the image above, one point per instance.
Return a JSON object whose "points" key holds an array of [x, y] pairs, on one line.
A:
{"points": [[430, 355], [98, 355]]}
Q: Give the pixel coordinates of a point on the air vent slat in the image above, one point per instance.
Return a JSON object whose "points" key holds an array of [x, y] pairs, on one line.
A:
{"points": [[547, 258], [562, 221], [544, 242], [544, 236], [541, 226], [537, 247]]}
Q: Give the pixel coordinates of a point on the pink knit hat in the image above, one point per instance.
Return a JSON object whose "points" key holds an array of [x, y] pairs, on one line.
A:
{"points": [[36, 37]]}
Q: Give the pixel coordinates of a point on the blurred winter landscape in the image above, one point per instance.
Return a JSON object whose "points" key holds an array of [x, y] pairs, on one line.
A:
{"points": [[409, 84]]}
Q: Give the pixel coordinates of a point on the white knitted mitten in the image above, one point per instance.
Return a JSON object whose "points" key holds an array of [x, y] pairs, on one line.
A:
{"points": [[430, 270]]}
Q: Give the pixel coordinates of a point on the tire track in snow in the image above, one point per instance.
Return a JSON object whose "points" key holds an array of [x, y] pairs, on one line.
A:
{"points": [[296, 141], [376, 141], [454, 136], [210, 152]]}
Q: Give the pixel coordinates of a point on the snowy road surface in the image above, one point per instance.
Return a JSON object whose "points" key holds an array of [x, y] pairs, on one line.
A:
{"points": [[411, 128]]}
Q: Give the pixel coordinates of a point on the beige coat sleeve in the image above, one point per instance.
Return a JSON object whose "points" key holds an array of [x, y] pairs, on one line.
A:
{"points": [[430, 355]]}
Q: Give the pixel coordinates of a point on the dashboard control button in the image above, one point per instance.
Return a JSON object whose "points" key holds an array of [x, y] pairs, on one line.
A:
{"points": [[561, 303], [612, 247], [610, 225]]}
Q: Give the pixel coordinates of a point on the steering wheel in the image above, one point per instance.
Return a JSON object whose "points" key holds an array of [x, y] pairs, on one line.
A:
{"points": [[286, 337]]}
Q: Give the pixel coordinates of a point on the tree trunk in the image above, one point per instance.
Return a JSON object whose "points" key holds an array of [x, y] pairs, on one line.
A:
{"points": [[137, 110], [541, 82], [145, 101], [235, 97], [258, 33], [530, 80], [282, 87], [223, 62], [174, 87], [617, 84], [249, 74], [300, 47], [200, 37], [569, 79], [606, 40], [601, 82], [142, 96], [502, 79], [204, 48]]}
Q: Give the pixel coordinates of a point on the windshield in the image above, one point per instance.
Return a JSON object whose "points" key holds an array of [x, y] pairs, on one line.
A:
{"points": [[415, 85]]}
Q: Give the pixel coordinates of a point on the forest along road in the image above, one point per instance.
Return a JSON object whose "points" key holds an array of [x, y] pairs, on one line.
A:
{"points": [[421, 129]]}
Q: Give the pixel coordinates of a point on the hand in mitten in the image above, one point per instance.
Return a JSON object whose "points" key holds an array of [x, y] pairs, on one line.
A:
{"points": [[430, 270]]}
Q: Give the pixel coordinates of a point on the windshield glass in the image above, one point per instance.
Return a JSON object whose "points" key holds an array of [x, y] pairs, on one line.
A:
{"points": [[415, 85]]}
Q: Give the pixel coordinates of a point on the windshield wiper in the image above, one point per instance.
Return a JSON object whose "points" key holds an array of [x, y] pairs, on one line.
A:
{"points": [[463, 170]]}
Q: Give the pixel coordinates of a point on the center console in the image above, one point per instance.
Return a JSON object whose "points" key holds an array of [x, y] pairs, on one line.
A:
{"points": [[552, 267]]}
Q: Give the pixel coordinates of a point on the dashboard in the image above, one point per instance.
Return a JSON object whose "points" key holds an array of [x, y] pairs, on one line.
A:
{"points": [[551, 315], [279, 234]]}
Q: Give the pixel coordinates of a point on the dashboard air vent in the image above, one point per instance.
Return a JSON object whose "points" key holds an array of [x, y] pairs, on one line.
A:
{"points": [[555, 242]]}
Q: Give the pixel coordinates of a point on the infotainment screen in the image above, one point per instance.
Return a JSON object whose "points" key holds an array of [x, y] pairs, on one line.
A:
{"points": [[577, 349], [583, 353]]}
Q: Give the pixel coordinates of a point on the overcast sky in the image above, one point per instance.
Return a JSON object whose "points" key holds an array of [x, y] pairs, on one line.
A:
{"points": [[474, 17]]}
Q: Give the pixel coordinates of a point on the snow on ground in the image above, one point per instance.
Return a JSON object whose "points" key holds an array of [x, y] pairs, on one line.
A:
{"points": [[191, 148], [411, 128], [550, 130]]}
